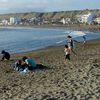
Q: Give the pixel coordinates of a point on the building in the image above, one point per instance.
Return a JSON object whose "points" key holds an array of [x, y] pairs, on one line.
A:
{"points": [[65, 20], [87, 18], [97, 20], [4, 22], [14, 20]]}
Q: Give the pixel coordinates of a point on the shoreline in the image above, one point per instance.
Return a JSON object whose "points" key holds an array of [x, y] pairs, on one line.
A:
{"points": [[72, 27], [46, 49], [97, 39], [33, 48]]}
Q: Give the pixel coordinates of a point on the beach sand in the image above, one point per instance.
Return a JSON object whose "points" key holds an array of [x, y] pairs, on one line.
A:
{"points": [[76, 80]]}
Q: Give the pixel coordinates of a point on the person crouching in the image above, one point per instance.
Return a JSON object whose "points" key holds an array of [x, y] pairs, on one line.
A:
{"points": [[6, 55]]}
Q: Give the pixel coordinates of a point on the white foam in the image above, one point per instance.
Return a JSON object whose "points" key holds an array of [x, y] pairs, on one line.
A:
{"points": [[77, 34]]}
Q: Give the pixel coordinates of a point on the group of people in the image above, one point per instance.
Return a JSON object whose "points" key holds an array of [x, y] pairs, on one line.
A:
{"points": [[30, 64], [22, 64], [69, 48], [25, 63]]}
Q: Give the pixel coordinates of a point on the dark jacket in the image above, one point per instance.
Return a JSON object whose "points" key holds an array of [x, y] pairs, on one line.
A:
{"points": [[6, 55]]}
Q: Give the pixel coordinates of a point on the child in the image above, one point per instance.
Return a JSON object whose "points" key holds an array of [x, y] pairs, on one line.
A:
{"points": [[67, 53], [17, 65]]}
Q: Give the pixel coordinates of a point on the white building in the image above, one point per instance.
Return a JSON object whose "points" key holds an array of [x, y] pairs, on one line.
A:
{"points": [[4, 22], [88, 18], [97, 20], [14, 20], [65, 20]]}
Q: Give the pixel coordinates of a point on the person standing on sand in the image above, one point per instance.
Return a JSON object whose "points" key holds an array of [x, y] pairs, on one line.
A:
{"points": [[67, 53], [70, 43], [6, 55]]}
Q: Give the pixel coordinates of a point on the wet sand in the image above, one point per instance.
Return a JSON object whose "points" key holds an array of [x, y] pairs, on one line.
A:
{"points": [[77, 80]]}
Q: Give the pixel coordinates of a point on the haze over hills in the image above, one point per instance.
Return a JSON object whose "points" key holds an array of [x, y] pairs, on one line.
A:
{"points": [[49, 14]]}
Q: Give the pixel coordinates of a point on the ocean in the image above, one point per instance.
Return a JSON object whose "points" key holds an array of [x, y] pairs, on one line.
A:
{"points": [[22, 39]]}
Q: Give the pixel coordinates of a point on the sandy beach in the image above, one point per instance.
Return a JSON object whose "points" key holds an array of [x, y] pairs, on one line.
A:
{"points": [[78, 80]]}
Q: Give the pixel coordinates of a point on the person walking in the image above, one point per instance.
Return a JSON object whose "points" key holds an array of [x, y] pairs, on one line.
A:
{"points": [[70, 43], [67, 53]]}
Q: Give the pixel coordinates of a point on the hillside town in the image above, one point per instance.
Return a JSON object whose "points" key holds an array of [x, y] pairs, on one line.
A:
{"points": [[88, 19]]}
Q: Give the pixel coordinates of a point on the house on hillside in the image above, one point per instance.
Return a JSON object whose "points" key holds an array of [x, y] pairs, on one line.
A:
{"points": [[87, 18], [36, 20], [4, 22], [97, 20], [65, 20]]}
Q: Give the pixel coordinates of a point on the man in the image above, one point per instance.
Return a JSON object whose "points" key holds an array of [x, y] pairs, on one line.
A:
{"points": [[6, 55]]}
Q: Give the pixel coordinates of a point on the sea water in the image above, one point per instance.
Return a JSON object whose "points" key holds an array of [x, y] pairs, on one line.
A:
{"points": [[21, 39]]}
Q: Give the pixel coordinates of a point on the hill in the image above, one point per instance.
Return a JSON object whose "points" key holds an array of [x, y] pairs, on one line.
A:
{"points": [[48, 15]]}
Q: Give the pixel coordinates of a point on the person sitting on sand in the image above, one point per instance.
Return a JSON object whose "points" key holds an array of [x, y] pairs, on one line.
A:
{"points": [[18, 66], [67, 53], [6, 55], [70, 43], [29, 62]]}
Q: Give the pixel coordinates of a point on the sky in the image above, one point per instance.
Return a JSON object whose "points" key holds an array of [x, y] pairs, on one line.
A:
{"points": [[17, 6]]}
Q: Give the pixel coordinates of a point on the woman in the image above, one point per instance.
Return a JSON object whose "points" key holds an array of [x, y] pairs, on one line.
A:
{"points": [[70, 43]]}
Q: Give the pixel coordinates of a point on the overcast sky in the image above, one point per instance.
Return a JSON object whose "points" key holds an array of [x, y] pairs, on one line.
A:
{"points": [[16, 6]]}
